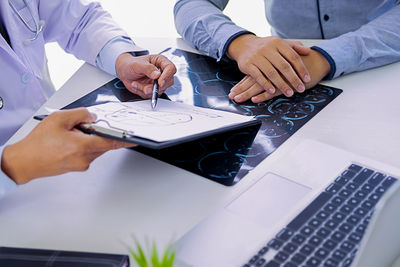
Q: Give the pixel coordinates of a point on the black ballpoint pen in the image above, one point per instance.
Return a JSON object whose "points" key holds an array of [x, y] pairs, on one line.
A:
{"points": [[154, 96]]}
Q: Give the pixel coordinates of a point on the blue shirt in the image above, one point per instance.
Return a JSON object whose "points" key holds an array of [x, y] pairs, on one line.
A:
{"points": [[359, 34]]}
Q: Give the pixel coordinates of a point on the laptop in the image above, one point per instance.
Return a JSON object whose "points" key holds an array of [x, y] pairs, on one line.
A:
{"points": [[311, 205]]}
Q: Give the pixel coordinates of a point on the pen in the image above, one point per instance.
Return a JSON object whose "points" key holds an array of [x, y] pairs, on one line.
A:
{"points": [[154, 96]]}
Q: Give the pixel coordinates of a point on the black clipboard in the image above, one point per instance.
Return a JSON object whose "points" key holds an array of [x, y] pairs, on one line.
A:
{"points": [[124, 136]]}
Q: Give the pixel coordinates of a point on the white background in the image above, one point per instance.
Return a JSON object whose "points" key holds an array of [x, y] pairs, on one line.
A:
{"points": [[152, 18]]}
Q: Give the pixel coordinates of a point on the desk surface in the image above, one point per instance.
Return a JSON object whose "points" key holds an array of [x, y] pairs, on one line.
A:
{"points": [[125, 193]]}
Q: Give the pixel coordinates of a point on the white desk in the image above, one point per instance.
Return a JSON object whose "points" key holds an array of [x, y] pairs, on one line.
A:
{"points": [[125, 193]]}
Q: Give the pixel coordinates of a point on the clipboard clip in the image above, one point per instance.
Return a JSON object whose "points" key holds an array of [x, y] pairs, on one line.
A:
{"points": [[110, 130]]}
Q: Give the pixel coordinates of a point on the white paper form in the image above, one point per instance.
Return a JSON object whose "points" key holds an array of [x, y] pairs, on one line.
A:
{"points": [[170, 120]]}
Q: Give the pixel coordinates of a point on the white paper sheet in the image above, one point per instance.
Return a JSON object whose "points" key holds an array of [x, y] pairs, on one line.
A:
{"points": [[170, 120]]}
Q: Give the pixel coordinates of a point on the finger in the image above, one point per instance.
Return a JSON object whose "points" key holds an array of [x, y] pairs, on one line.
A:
{"points": [[254, 90], [97, 144], [274, 76], [241, 86], [259, 77], [168, 72], [167, 83], [264, 96], [302, 50], [139, 92], [295, 61], [288, 73], [70, 118], [146, 68]]}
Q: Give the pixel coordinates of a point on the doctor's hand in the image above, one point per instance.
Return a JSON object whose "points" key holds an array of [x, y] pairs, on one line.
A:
{"points": [[275, 64], [139, 73], [248, 88], [55, 147]]}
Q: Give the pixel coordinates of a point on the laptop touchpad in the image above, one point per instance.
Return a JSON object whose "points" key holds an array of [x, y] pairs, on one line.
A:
{"points": [[268, 200]]}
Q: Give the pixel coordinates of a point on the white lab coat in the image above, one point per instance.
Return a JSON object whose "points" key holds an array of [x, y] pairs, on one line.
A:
{"points": [[80, 27]]}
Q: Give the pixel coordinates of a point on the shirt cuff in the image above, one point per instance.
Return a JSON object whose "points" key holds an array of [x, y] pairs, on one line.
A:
{"points": [[332, 63], [229, 41], [6, 184], [108, 55]]}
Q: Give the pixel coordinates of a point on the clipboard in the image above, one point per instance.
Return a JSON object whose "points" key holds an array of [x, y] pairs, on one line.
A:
{"points": [[130, 137]]}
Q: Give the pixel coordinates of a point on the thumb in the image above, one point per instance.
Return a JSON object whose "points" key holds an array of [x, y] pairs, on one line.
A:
{"points": [[149, 70], [70, 118]]}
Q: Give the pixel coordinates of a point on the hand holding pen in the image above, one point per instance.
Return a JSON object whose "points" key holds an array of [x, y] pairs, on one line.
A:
{"points": [[141, 74]]}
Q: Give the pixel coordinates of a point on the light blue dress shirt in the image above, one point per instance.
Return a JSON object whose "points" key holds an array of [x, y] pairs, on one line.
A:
{"points": [[359, 34], [106, 61]]}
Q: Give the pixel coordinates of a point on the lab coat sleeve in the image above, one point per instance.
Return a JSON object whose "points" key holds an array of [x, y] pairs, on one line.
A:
{"points": [[203, 25], [108, 55], [374, 44], [80, 27], [6, 184]]}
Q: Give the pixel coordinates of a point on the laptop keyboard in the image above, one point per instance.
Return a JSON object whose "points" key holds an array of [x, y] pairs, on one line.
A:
{"points": [[329, 230]]}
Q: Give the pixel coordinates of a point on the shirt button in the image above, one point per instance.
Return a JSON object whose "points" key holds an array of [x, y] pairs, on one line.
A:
{"points": [[1, 103], [26, 78], [326, 17]]}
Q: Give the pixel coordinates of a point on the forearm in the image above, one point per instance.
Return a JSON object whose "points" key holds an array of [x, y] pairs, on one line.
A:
{"points": [[204, 26], [376, 43]]}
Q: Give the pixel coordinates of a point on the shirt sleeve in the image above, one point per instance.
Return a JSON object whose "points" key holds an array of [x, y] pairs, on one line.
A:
{"points": [[374, 44], [6, 184], [108, 55], [203, 25]]}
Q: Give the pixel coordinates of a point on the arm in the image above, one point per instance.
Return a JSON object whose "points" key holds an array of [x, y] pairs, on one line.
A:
{"points": [[374, 44], [6, 184]]}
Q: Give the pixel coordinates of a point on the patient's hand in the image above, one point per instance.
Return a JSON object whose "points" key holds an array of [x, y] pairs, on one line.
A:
{"points": [[248, 88]]}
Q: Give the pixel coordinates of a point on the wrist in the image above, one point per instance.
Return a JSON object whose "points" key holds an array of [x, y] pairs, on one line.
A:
{"points": [[237, 46], [11, 164], [120, 62]]}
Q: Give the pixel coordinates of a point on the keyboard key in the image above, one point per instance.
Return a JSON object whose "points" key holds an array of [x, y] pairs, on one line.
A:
{"points": [[376, 179], [309, 211], [330, 244], [298, 258], [289, 248], [321, 253], [353, 201], [323, 232], [355, 238], [389, 181], [285, 234], [338, 255], [322, 215], [346, 209], [263, 251], [275, 244], [298, 239], [345, 193], [331, 224], [329, 208], [368, 205], [361, 229], [361, 194], [353, 219], [362, 176], [338, 217], [290, 264], [367, 187], [272, 264], [306, 249], [354, 168], [281, 257], [260, 262], [314, 223], [333, 188], [315, 241], [331, 263], [338, 236], [374, 198], [313, 262], [346, 228], [347, 262], [254, 259], [337, 201], [352, 187], [342, 180], [360, 212], [307, 231], [347, 246]]}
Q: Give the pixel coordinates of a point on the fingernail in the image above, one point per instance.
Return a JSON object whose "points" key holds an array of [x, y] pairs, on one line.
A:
{"points": [[148, 91], [301, 88], [134, 86], [271, 90], [307, 78], [238, 98], [155, 73], [93, 116], [289, 92]]}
